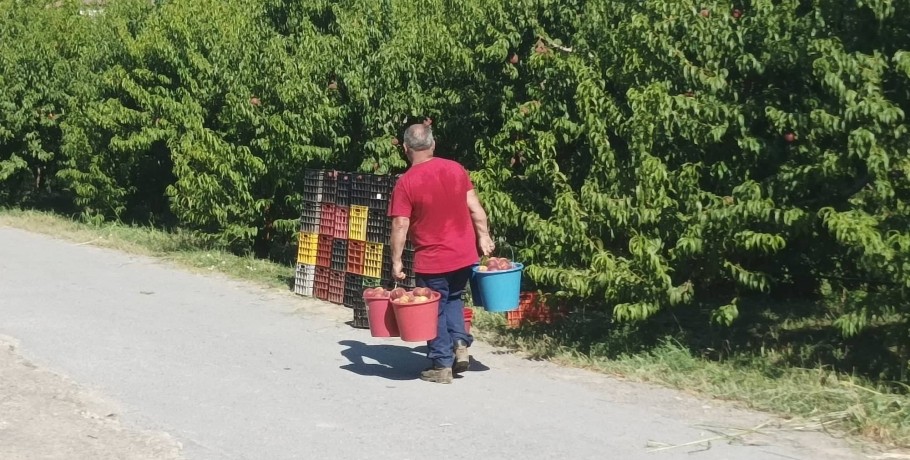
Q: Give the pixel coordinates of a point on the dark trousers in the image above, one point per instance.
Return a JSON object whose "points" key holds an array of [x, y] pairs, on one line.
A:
{"points": [[450, 328]]}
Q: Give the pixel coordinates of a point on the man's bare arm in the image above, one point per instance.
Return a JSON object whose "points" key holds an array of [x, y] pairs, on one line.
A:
{"points": [[398, 238], [481, 226]]}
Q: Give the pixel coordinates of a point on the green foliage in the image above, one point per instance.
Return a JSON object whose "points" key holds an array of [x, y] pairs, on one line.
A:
{"points": [[41, 79], [640, 156]]}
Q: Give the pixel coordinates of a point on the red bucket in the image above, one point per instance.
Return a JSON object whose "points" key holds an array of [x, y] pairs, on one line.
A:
{"points": [[468, 319], [417, 321], [382, 316]]}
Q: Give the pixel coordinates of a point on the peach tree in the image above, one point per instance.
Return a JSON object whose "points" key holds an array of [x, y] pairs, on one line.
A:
{"points": [[658, 154], [638, 156]]}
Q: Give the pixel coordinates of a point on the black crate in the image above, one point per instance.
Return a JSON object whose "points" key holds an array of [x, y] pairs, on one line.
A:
{"points": [[379, 219], [381, 185], [407, 256], [313, 180], [361, 318], [380, 193], [360, 190], [353, 291], [309, 217], [407, 262], [378, 235], [339, 254], [343, 190], [353, 299], [387, 266], [329, 186], [379, 228], [408, 284]]}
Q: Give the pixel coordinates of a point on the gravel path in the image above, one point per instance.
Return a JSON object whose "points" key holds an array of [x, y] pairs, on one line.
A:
{"points": [[109, 355]]}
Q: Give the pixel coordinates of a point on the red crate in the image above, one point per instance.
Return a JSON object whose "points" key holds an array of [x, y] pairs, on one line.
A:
{"points": [[533, 308], [336, 287], [527, 303], [356, 253], [321, 283], [324, 251], [341, 222], [327, 219]]}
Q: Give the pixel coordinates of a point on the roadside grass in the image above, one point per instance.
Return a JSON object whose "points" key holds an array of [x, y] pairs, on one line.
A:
{"points": [[807, 398]]}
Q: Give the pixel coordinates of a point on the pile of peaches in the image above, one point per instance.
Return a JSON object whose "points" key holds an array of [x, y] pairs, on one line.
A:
{"points": [[495, 264], [400, 295]]}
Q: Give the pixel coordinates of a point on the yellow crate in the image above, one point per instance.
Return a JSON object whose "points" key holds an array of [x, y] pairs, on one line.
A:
{"points": [[357, 223], [372, 260], [306, 248]]}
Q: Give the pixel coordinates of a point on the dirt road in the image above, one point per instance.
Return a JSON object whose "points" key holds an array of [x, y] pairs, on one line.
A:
{"points": [[126, 357]]}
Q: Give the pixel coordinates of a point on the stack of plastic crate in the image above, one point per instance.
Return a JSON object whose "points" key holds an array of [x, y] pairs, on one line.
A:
{"points": [[357, 232], [345, 238], [331, 226], [317, 236], [307, 240]]}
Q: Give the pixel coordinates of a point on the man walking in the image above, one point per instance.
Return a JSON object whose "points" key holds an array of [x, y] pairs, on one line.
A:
{"points": [[435, 201]]}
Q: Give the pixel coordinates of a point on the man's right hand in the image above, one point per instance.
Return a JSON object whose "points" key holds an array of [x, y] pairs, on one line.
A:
{"points": [[486, 245], [398, 271]]}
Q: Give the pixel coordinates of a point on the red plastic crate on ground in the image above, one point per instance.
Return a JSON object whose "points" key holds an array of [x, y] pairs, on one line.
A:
{"points": [[327, 219], [356, 252], [340, 224], [533, 308], [527, 303], [324, 251], [321, 284], [336, 287]]}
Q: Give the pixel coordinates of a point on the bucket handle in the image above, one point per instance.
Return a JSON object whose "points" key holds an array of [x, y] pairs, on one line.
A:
{"points": [[505, 243]]}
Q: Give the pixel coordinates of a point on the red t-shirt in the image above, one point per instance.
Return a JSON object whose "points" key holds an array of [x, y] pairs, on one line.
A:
{"points": [[433, 195]]}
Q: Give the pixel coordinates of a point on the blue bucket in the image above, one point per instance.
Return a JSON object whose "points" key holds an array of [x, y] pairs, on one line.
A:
{"points": [[475, 291], [499, 289]]}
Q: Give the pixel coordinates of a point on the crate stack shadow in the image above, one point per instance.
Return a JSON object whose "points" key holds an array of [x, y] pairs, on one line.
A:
{"points": [[344, 245]]}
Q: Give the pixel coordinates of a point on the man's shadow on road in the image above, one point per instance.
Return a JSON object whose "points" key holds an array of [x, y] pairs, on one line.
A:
{"points": [[393, 362]]}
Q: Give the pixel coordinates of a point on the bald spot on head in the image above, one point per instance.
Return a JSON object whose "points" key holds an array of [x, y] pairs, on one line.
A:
{"points": [[419, 137]]}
